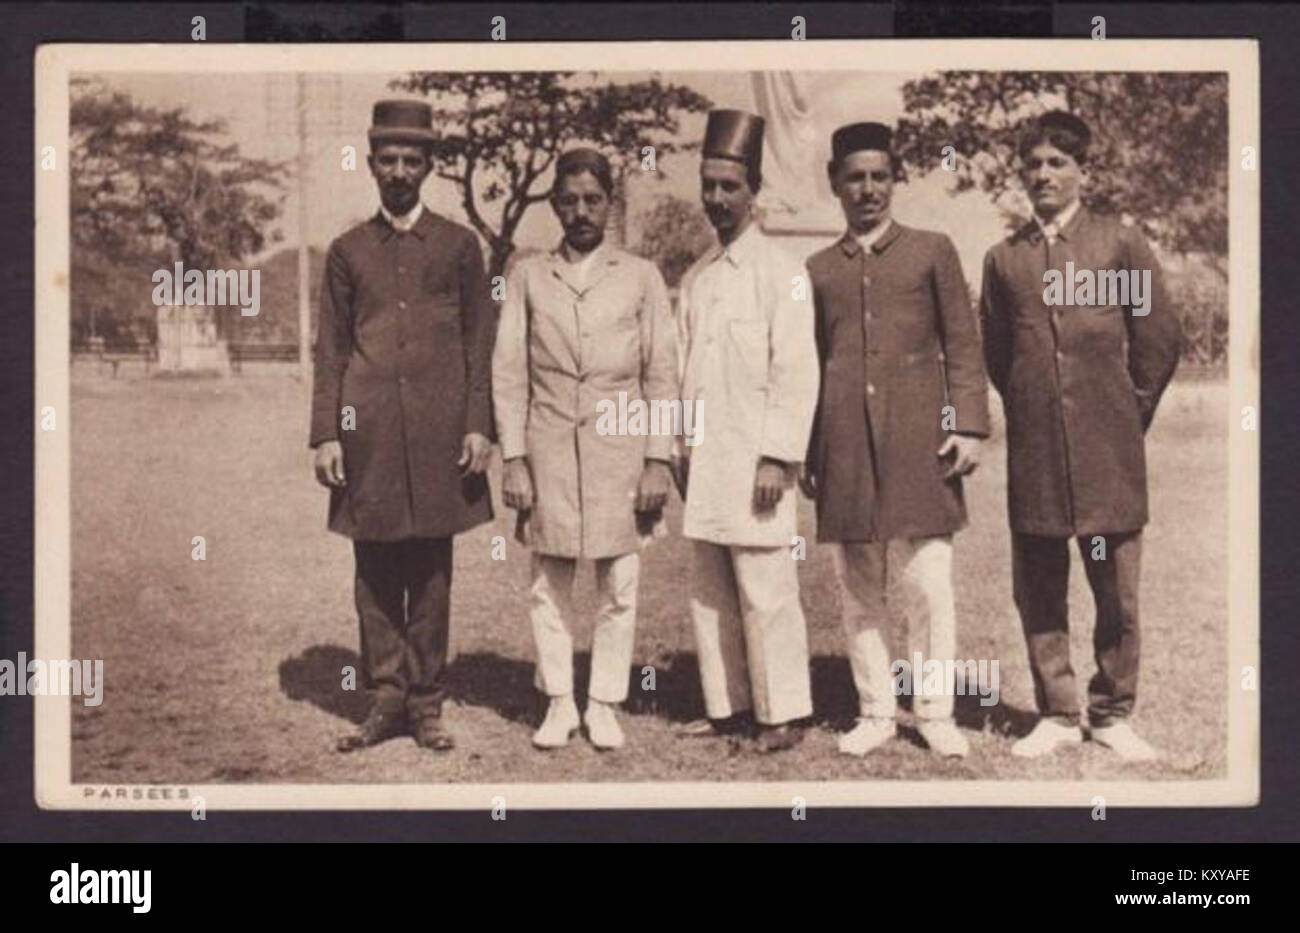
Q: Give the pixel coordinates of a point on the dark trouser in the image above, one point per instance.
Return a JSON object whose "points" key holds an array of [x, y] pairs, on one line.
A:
{"points": [[403, 591], [1040, 577]]}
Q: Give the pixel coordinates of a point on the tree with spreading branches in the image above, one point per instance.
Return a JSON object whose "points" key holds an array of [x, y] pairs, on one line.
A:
{"points": [[500, 132], [151, 187], [1159, 152]]}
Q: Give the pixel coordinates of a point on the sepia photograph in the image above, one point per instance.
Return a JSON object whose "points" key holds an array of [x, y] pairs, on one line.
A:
{"points": [[632, 425]]}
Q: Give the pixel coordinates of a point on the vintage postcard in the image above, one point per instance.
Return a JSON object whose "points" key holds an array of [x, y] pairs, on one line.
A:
{"points": [[780, 424]]}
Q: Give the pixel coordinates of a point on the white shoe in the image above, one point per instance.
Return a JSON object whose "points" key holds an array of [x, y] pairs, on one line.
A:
{"points": [[943, 737], [602, 725], [1123, 741], [561, 720], [1046, 738], [869, 733]]}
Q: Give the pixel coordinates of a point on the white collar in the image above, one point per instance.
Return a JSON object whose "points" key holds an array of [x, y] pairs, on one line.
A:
{"points": [[406, 221], [738, 249], [868, 240], [1057, 224], [583, 261]]}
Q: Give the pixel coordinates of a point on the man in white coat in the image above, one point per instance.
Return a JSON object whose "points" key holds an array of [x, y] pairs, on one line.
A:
{"points": [[750, 358]]}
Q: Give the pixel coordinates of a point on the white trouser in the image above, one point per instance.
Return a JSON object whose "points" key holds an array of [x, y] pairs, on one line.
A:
{"points": [[551, 614], [750, 633], [880, 582]]}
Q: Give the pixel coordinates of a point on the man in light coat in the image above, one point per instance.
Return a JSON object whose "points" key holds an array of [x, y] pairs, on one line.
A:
{"points": [[903, 406], [750, 361], [1079, 386], [585, 329]]}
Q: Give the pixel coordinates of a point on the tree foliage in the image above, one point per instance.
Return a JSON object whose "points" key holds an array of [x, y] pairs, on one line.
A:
{"points": [[499, 133], [154, 186], [673, 234], [1159, 152]]}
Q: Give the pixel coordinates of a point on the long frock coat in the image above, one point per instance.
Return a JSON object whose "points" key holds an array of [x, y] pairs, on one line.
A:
{"points": [[1079, 384], [567, 355], [901, 370], [405, 342], [750, 364]]}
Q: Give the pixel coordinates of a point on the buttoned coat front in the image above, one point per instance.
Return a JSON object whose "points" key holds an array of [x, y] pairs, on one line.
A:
{"points": [[403, 350], [568, 352], [1079, 384], [750, 368], [902, 369]]}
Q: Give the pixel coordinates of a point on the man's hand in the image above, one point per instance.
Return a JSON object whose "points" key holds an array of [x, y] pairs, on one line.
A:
{"points": [[329, 464], [475, 450], [769, 483], [652, 490], [517, 485], [808, 482], [966, 454]]}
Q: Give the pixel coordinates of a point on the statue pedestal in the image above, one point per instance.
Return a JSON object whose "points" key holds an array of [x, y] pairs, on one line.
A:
{"points": [[188, 342]]}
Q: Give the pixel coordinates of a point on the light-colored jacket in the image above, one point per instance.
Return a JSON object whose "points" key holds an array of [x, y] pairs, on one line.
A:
{"points": [[749, 358], [564, 352]]}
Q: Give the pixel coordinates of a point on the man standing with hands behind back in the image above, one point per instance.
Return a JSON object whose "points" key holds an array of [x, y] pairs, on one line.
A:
{"points": [[401, 419], [751, 360], [1079, 386]]}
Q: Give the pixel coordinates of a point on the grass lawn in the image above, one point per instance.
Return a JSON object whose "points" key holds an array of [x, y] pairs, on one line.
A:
{"points": [[229, 669]]}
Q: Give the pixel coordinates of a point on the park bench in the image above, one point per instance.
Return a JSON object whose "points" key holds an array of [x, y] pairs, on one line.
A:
{"points": [[115, 354], [261, 353]]}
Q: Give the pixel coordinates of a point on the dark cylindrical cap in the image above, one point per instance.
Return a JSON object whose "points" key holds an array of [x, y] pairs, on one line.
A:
{"points": [[734, 134], [402, 121], [857, 137], [582, 159]]}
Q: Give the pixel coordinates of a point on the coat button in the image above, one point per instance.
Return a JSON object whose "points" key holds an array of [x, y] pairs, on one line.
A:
{"points": [[871, 390], [402, 305]]}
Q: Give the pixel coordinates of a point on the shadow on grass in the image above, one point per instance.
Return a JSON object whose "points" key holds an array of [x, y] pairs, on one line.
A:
{"points": [[316, 676], [505, 685]]}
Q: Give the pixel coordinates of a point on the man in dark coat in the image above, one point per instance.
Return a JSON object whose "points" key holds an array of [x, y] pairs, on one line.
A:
{"points": [[1080, 371], [401, 420], [904, 404]]}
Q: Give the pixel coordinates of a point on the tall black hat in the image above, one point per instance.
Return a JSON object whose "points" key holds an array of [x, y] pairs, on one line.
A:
{"points": [[736, 135]]}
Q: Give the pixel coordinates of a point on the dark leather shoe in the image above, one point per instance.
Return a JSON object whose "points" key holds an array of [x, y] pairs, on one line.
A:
{"points": [[429, 733], [779, 738], [738, 724], [380, 726]]}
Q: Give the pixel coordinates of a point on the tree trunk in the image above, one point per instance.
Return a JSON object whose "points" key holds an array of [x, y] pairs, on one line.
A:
{"points": [[616, 228], [501, 250]]}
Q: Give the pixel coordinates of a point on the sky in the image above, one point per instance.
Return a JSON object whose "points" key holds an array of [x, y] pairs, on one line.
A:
{"points": [[260, 113]]}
